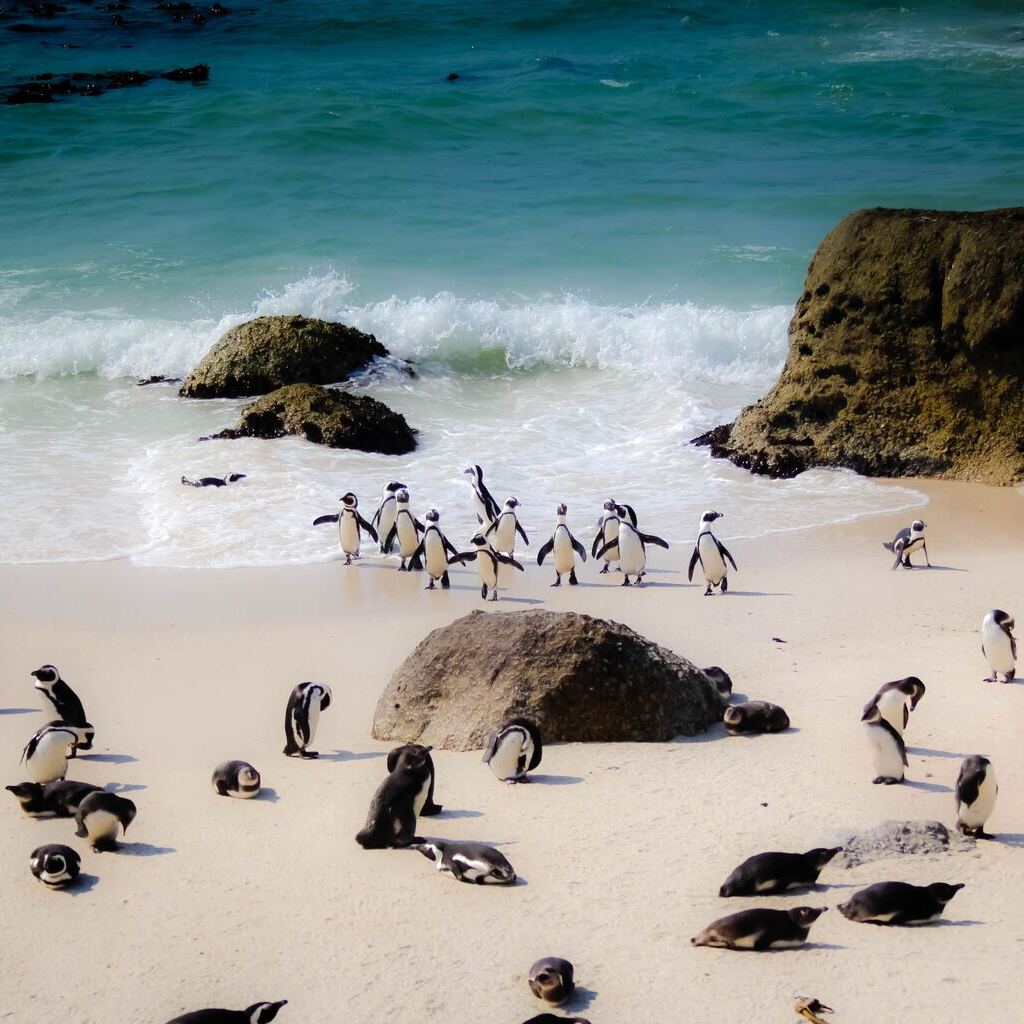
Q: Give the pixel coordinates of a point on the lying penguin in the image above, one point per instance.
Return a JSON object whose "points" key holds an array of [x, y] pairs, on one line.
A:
{"points": [[213, 481], [468, 862]]}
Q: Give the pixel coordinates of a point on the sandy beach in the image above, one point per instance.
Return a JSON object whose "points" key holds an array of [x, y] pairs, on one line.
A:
{"points": [[620, 847]]}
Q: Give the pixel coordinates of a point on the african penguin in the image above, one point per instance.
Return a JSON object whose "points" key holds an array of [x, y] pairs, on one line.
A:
{"points": [[384, 517], [976, 791], [892, 698], [631, 545], [60, 799], [899, 903], [425, 807], [258, 1013], [406, 529], [236, 778], [712, 555], [760, 929], [101, 816], [213, 481], [513, 750], [468, 862], [57, 697], [551, 979], [484, 505], [504, 529], [721, 679], [391, 820], [563, 544], [755, 716], [999, 645], [907, 540], [553, 1018], [888, 752], [302, 716], [434, 551], [54, 865], [46, 754], [768, 874], [488, 564]]}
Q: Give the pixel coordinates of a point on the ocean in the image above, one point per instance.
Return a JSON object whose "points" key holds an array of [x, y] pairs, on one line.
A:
{"points": [[589, 242]]}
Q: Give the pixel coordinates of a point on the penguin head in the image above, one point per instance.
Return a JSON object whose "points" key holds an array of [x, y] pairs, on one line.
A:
{"points": [[1004, 619], [392, 486], [914, 689], [563, 509], [512, 503], [551, 979], [325, 695], [429, 850], [822, 855], [263, 1013], [804, 917], [432, 516], [126, 811], [734, 715], [609, 505], [620, 511], [709, 517], [29, 794], [233, 478], [479, 540], [402, 496], [349, 500], [917, 526], [48, 674], [943, 891], [248, 776], [413, 760]]}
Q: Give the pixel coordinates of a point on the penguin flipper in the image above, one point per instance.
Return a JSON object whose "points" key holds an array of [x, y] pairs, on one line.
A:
{"points": [[491, 748], [366, 526], [320, 520], [607, 547], [694, 559], [649, 538], [545, 550], [578, 547], [463, 558], [392, 534], [598, 540], [967, 786], [522, 533], [418, 553], [509, 560], [724, 552], [490, 529], [631, 514], [448, 546], [888, 545]]}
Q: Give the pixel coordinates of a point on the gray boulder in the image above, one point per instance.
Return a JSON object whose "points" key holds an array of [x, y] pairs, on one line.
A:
{"points": [[898, 839]]}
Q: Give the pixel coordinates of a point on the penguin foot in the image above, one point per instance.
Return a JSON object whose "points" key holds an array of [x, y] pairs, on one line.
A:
{"points": [[709, 592], [348, 559], [494, 596], [310, 755], [429, 586], [573, 582], [604, 570], [557, 582], [625, 581]]}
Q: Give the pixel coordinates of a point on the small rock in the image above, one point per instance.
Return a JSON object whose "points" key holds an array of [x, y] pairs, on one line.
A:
{"points": [[896, 839]]}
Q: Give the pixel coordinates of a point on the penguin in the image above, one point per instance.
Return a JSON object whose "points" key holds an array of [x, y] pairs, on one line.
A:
{"points": [[553, 1018], [513, 750], [213, 481], [505, 527], [755, 716], [721, 680], [391, 820], [429, 809], [56, 696], [891, 701], [888, 752], [899, 903], [563, 543], [468, 862], [551, 979], [46, 754], [631, 545], [712, 555], [434, 551], [484, 505], [236, 778], [350, 522], [302, 715], [770, 874], [608, 531], [811, 1009], [55, 866], [258, 1013], [100, 816], [384, 518], [999, 645], [976, 791], [760, 929], [906, 541], [59, 799], [407, 529], [488, 564]]}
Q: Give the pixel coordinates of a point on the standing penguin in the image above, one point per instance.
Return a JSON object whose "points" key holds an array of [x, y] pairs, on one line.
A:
{"points": [[56, 696], [391, 820], [563, 543], [350, 522], [46, 754], [999, 645], [907, 540], [631, 545], [428, 809], [976, 791], [302, 715], [712, 555], [54, 865], [258, 1013], [505, 527], [384, 517], [484, 505], [407, 529], [488, 564], [888, 752], [434, 550], [608, 531], [513, 750], [891, 701], [100, 816]]}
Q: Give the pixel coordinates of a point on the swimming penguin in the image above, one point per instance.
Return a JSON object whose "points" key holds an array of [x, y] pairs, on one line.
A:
{"points": [[906, 541], [484, 505], [100, 816], [434, 551], [999, 645], [468, 862], [258, 1013], [563, 543], [213, 481], [760, 929], [899, 903], [428, 809], [768, 874], [46, 754], [384, 518], [631, 545], [54, 865], [551, 979], [756, 716], [513, 750], [60, 799], [976, 791], [302, 715], [56, 696], [891, 701], [721, 679], [407, 529], [350, 522], [488, 564], [504, 529], [888, 752], [712, 555], [391, 820], [236, 778]]}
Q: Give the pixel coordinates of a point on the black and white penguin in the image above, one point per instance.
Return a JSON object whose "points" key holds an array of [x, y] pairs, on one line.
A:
{"points": [[976, 791], [501, 534], [56, 697], [468, 862], [888, 752], [46, 754], [213, 481], [899, 903], [907, 540], [59, 799], [488, 564], [892, 701], [55, 866], [425, 808], [755, 716], [406, 529], [513, 750], [236, 778], [563, 544], [391, 820], [350, 523], [384, 518], [631, 545], [721, 679], [712, 555], [999, 645], [434, 551], [553, 1018], [551, 979], [302, 715], [768, 874], [484, 505], [101, 816], [608, 531], [258, 1013], [760, 929]]}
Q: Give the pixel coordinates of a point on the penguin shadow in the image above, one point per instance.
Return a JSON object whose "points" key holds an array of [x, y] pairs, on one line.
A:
{"points": [[930, 752], [521, 600], [348, 755], [450, 815], [756, 593], [580, 999], [940, 568], [268, 795], [713, 734], [21, 711], [965, 923], [83, 883], [554, 780], [1015, 839], [109, 758], [143, 850], [928, 787], [123, 787], [810, 945]]}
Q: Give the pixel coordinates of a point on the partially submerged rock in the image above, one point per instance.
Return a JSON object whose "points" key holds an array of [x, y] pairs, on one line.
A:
{"points": [[898, 839], [577, 677], [47, 88]]}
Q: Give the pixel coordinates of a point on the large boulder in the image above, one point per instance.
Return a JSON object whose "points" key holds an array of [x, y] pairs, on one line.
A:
{"points": [[906, 354], [272, 351], [577, 677], [326, 416]]}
